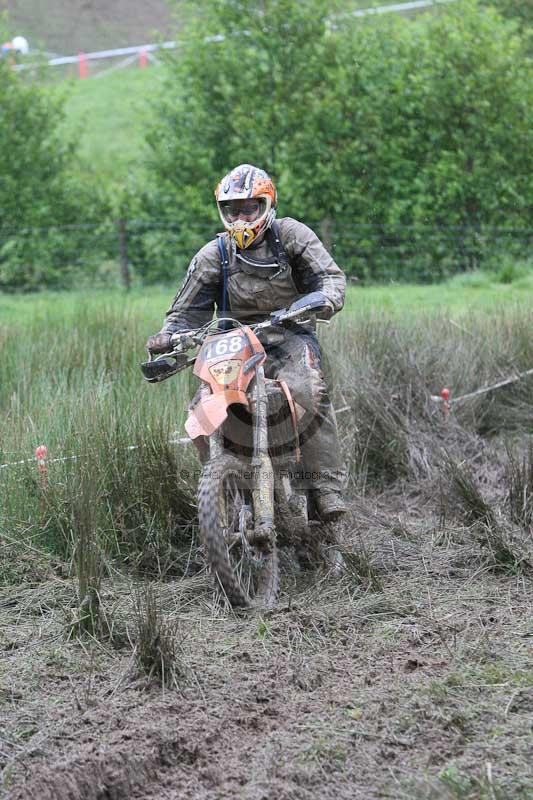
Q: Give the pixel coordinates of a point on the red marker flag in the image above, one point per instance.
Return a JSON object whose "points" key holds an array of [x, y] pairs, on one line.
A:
{"points": [[82, 65], [445, 395], [41, 453]]}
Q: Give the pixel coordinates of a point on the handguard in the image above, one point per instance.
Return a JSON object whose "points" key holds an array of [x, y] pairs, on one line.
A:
{"points": [[159, 369], [315, 304]]}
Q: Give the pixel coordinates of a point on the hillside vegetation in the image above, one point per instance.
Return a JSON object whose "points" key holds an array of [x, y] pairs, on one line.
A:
{"points": [[67, 26], [405, 176]]}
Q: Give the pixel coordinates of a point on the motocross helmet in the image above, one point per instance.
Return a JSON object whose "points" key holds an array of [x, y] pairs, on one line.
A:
{"points": [[246, 199]]}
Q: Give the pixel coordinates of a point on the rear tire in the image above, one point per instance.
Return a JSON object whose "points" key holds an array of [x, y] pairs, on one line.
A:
{"points": [[246, 575]]}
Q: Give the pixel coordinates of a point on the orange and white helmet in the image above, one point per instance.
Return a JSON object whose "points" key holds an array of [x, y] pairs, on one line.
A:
{"points": [[246, 199]]}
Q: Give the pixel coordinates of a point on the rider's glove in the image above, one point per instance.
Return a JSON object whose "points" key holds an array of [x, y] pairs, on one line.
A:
{"points": [[327, 311], [159, 343], [323, 308]]}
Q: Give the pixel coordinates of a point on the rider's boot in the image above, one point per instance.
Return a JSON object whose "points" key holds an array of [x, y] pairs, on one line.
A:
{"points": [[330, 506]]}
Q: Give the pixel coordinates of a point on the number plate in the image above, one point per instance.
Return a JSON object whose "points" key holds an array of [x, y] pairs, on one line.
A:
{"points": [[223, 346]]}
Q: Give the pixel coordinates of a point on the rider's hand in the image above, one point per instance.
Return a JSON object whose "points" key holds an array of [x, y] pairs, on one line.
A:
{"points": [[327, 311], [322, 307], [159, 343]]}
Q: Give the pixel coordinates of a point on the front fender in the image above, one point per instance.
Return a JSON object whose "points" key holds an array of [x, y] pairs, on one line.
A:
{"points": [[211, 411]]}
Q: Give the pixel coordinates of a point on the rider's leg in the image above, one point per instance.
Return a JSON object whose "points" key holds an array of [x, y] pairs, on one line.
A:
{"points": [[298, 361]]}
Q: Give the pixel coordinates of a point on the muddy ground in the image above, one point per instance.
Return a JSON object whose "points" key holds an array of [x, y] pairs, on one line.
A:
{"points": [[409, 677]]}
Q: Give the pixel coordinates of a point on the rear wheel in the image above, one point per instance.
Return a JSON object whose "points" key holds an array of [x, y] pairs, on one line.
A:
{"points": [[244, 564]]}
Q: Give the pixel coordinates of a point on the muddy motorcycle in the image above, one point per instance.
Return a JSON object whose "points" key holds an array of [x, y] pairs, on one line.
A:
{"points": [[251, 495]]}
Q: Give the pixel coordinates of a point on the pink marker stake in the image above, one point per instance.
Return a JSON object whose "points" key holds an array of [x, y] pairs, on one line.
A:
{"points": [[143, 59], [41, 453], [445, 395]]}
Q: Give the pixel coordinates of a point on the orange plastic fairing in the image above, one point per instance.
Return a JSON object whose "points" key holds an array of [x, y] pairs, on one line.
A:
{"points": [[210, 412], [222, 357]]}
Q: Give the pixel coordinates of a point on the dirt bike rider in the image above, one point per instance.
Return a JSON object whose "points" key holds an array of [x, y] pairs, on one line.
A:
{"points": [[268, 265]]}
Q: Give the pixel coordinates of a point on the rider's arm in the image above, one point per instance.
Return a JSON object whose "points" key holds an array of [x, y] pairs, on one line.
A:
{"points": [[314, 270], [194, 303]]}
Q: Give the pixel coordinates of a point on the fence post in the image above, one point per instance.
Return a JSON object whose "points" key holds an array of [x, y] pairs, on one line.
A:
{"points": [[123, 249]]}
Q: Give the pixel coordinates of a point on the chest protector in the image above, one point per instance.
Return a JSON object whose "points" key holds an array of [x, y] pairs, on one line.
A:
{"points": [[254, 285]]}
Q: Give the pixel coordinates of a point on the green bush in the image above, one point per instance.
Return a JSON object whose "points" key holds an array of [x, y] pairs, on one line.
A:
{"points": [[403, 142], [45, 207]]}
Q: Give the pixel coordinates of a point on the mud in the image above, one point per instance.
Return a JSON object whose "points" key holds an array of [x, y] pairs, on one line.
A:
{"points": [[409, 677]]}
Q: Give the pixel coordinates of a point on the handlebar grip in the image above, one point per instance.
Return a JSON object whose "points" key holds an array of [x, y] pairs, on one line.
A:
{"points": [[180, 338]]}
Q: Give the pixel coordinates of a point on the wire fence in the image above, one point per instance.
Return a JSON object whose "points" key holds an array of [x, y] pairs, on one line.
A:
{"points": [[144, 251]]}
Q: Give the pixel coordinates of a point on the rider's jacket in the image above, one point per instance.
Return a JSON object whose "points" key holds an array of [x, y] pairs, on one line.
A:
{"points": [[259, 280]]}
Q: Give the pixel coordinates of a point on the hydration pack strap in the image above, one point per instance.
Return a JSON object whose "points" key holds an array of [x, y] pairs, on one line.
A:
{"points": [[276, 245], [224, 260], [279, 260]]}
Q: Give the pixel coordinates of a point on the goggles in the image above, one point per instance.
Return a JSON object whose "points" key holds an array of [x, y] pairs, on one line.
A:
{"points": [[250, 207]]}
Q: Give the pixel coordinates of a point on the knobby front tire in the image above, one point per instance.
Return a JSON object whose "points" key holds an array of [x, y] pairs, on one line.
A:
{"points": [[225, 508]]}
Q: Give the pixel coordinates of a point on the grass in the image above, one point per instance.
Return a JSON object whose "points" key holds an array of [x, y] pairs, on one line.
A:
{"points": [[417, 659], [157, 649], [468, 293], [465, 294], [68, 26], [509, 549], [520, 480], [78, 389], [112, 142]]}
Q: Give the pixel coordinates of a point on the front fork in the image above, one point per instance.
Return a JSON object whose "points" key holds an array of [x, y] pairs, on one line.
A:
{"points": [[263, 473], [263, 491]]}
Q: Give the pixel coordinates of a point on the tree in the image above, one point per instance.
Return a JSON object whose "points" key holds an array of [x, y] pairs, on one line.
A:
{"points": [[521, 10], [39, 193], [237, 91], [442, 112], [399, 139]]}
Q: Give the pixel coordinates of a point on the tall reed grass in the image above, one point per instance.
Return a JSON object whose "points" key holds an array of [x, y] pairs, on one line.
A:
{"points": [[70, 379], [386, 367]]}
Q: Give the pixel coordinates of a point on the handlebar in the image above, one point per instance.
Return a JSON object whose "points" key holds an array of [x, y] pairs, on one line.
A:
{"points": [[162, 366], [184, 340], [302, 310]]}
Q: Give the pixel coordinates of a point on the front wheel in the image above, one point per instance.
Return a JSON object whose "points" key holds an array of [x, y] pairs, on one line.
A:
{"points": [[244, 565]]}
